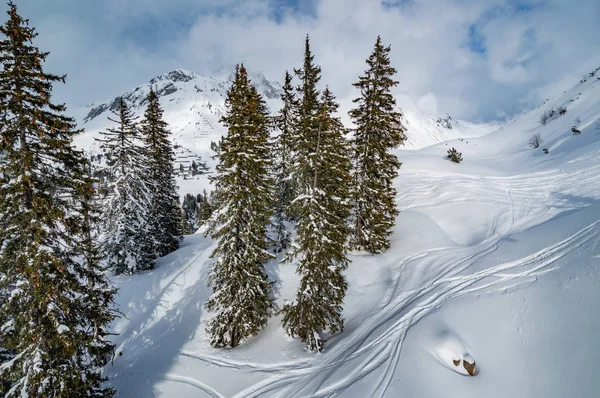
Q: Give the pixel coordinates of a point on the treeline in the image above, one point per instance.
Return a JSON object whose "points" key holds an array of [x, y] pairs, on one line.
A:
{"points": [[334, 185]]}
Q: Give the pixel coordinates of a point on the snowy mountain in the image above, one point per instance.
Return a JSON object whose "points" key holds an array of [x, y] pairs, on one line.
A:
{"points": [[495, 260], [193, 105]]}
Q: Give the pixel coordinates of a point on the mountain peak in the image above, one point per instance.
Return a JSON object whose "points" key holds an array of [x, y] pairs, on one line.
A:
{"points": [[183, 86], [177, 75]]}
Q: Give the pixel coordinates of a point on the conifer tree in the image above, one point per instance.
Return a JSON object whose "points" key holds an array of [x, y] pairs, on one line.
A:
{"points": [[190, 213], [185, 228], [322, 168], [127, 244], [286, 122], [165, 214], [305, 134], [378, 130], [241, 291], [54, 319], [205, 208]]}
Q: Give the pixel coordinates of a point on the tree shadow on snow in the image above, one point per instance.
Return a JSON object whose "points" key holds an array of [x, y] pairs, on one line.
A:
{"points": [[163, 308]]}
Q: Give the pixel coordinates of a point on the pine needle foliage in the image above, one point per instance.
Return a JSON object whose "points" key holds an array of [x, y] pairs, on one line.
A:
{"points": [[322, 167], [126, 242], [241, 292], [55, 302], [454, 155], [165, 215], [286, 122], [378, 130]]}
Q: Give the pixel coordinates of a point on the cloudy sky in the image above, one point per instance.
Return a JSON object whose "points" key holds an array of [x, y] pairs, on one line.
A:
{"points": [[478, 60]]}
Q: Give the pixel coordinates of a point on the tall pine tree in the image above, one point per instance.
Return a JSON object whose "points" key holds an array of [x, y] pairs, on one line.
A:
{"points": [[127, 244], [241, 291], [378, 130], [55, 301], [165, 214], [286, 122], [322, 168], [305, 133]]}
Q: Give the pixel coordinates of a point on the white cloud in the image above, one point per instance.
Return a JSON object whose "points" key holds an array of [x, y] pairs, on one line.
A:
{"points": [[108, 47], [428, 103]]}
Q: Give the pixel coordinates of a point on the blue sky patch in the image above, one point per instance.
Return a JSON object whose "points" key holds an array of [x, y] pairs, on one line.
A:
{"points": [[476, 41]]}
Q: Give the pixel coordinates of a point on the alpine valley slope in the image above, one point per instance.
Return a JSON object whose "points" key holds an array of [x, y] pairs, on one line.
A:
{"points": [[496, 258]]}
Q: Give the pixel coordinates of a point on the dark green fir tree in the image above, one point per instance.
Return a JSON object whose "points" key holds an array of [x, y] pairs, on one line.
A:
{"points": [[241, 292], [322, 168], [165, 214], [127, 244], [204, 208], [286, 122], [378, 130], [190, 213], [304, 135], [55, 302]]}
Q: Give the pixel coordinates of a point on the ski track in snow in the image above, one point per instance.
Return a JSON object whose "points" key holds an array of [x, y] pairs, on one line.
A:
{"points": [[384, 350], [189, 381]]}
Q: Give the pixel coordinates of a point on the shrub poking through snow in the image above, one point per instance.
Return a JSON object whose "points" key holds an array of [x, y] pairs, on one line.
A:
{"points": [[552, 114], [535, 141], [454, 155], [547, 115]]}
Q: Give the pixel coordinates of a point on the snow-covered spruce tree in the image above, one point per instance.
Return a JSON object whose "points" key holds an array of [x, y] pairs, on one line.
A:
{"points": [[54, 319], [286, 122], [378, 130], [126, 242], [190, 213], [204, 208], [305, 131], [241, 291], [100, 290], [165, 214], [323, 169]]}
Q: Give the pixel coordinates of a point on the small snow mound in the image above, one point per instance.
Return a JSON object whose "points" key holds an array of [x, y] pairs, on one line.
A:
{"points": [[62, 329], [452, 352]]}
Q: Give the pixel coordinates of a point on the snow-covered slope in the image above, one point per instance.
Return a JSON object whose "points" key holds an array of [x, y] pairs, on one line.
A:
{"points": [[424, 129], [495, 260]]}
